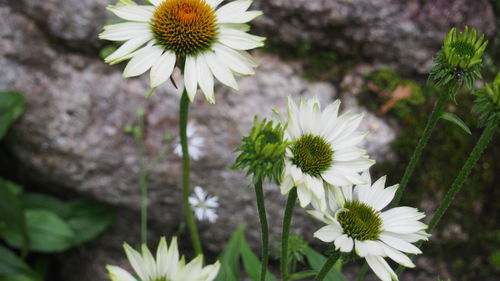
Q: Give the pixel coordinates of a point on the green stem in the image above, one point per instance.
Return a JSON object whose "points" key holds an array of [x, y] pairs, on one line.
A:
{"points": [[422, 142], [143, 180], [330, 262], [474, 156], [287, 220], [184, 109], [264, 228], [362, 272]]}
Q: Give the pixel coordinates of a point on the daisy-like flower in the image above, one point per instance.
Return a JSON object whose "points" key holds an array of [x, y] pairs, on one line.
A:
{"points": [[208, 41], [323, 150], [355, 221], [204, 206], [195, 143], [166, 267]]}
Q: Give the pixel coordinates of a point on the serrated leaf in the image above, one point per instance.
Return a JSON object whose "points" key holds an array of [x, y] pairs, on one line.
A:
{"points": [[252, 264], [11, 107], [456, 120], [317, 260], [47, 232]]}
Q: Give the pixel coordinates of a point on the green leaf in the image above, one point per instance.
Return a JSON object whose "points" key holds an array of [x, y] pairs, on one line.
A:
{"points": [[12, 213], [11, 107], [252, 264], [87, 219], [230, 257], [303, 274], [18, 277], [225, 274], [316, 261], [47, 232], [43, 201], [455, 119], [11, 264]]}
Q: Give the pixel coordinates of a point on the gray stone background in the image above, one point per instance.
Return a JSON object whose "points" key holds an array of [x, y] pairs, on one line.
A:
{"points": [[70, 141]]}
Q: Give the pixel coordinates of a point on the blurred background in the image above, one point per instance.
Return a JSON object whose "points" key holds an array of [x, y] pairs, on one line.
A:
{"points": [[71, 142]]}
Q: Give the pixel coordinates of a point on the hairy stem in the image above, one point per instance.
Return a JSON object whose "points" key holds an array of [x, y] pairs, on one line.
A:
{"points": [[422, 143], [264, 228], [287, 220], [471, 161], [184, 110], [330, 262]]}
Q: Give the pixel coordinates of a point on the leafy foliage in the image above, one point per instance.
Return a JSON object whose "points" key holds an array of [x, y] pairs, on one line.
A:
{"points": [[11, 107]]}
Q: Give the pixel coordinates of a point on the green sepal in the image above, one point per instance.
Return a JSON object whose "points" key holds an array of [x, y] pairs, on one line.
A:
{"points": [[456, 120]]}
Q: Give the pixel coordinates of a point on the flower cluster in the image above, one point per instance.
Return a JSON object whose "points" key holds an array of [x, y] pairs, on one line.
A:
{"points": [[323, 162], [166, 267], [487, 103], [460, 59]]}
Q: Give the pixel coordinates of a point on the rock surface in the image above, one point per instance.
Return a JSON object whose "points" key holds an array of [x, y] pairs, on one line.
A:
{"points": [[71, 137]]}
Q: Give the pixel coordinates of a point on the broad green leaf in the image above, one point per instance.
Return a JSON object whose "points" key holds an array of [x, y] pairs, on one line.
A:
{"points": [[303, 274], [455, 119], [252, 264], [42, 201], [87, 219], [11, 264], [11, 107], [12, 213], [47, 232], [19, 277], [317, 260], [230, 257], [225, 274]]}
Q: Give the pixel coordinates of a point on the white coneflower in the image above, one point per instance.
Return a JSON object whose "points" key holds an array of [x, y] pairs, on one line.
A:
{"points": [[195, 143], [323, 150], [166, 267], [204, 206], [355, 221], [207, 41]]}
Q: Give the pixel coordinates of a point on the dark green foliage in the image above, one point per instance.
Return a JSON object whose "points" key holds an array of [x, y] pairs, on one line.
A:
{"points": [[11, 107], [487, 103]]}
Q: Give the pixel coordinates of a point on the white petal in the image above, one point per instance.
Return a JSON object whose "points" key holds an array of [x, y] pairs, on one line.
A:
{"points": [[344, 243], [214, 3], [381, 268], [236, 12], [133, 13], [116, 273], [125, 31], [172, 265], [234, 59], [334, 177], [142, 61], [162, 258], [399, 244], [162, 69], [127, 48], [220, 70], [367, 247], [205, 78], [210, 271], [136, 261], [239, 40], [149, 261], [190, 77], [155, 2], [328, 233], [304, 195], [398, 257]]}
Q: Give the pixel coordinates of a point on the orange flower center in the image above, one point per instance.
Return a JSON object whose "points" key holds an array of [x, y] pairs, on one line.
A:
{"points": [[186, 27]]}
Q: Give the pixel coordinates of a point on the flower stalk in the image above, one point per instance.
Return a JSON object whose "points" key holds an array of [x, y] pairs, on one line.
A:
{"points": [[330, 262], [287, 220], [264, 228], [186, 169]]}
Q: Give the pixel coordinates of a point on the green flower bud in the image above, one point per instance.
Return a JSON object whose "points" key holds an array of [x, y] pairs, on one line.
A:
{"points": [[487, 103], [263, 151], [459, 60]]}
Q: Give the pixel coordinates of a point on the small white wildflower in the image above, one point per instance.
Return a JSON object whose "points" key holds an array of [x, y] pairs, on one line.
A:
{"points": [[204, 206], [195, 143]]}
